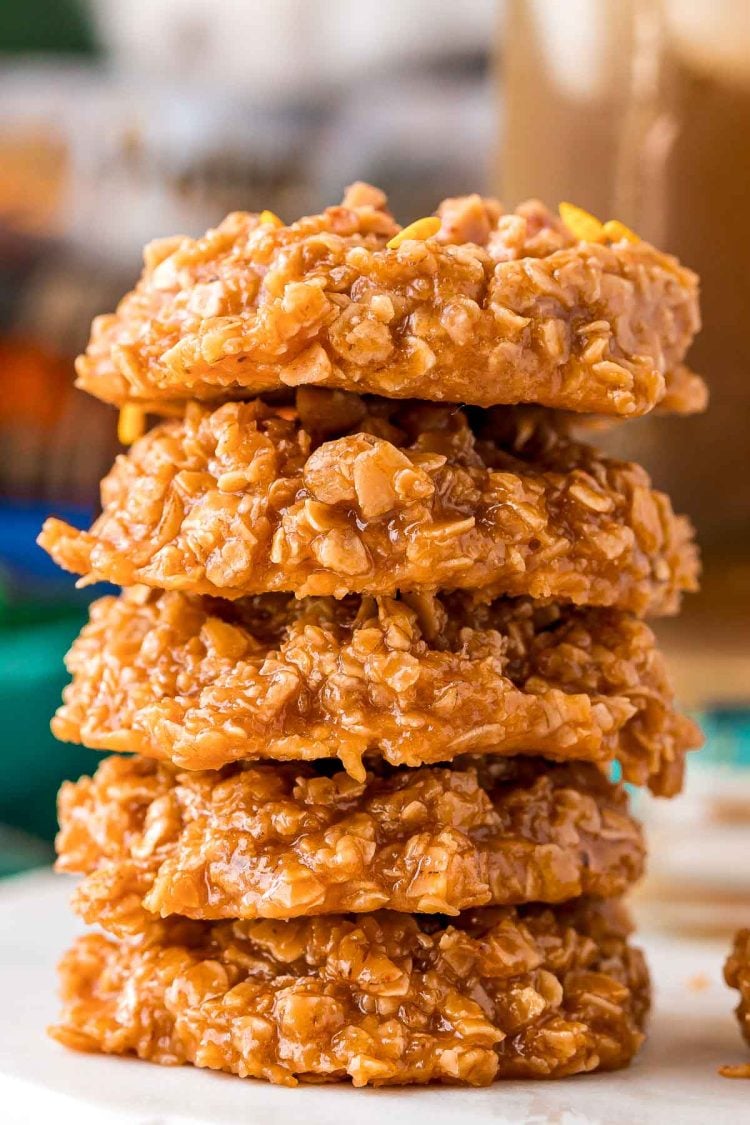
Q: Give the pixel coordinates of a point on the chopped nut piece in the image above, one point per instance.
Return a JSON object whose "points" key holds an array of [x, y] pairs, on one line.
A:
{"points": [[381, 999]]}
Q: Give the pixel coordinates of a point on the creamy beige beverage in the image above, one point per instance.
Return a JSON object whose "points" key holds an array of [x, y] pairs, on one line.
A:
{"points": [[641, 111]]}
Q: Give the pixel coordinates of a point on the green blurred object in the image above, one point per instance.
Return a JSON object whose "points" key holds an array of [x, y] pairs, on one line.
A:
{"points": [[20, 610], [33, 764], [60, 26]]}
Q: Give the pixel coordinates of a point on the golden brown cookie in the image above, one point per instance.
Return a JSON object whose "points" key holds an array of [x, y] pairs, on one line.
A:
{"points": [[201, 682], [737, 975], [287, 841], [495, 308], [246, 499], [381, 999]]}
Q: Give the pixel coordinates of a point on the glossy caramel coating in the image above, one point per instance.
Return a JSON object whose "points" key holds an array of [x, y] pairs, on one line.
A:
{"points": [[500, 307], [287, 841], [246, 499], [381, 999], [202, 683]]}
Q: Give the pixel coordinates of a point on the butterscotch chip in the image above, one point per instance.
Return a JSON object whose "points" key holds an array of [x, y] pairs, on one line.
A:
{"points": [[201, 682], [737, 975], [496, 308], [286, 841], [244, 499], [382, 999]]}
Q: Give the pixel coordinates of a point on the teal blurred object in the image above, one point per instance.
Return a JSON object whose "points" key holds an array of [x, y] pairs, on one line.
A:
{"points": [[33, 764], [19, 851], [41, 613], [727, 731]]}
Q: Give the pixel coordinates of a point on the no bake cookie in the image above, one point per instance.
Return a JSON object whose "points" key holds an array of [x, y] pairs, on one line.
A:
{"points": [[496, 307], [286, 841], [381, 999], [202, 682], [249, 498]]}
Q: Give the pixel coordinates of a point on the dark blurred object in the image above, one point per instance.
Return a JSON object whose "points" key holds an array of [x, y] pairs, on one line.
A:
{"points": [[32, 765], [60, 26], [32, 588], [55, 442], [708, 645]]}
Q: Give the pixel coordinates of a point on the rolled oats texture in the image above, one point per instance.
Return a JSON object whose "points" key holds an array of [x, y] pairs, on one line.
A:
{"points": [[201, 682], [350, 496], [285, 841], [380, 999], [500, 307]]}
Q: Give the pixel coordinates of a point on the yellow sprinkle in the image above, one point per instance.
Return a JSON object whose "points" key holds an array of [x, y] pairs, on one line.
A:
{"points": [[584, 226], [421, 229], [615, 231], [131, 423], [270, 218]]}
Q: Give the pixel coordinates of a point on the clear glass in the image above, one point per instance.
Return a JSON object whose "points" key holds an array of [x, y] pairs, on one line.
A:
{"points": [[640, 110]]}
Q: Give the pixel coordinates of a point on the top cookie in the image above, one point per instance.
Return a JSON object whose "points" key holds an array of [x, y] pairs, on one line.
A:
{"points": [[492, 307]]}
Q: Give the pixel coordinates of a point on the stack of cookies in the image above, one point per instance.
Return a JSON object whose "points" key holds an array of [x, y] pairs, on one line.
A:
{"points": [[380, 647]]}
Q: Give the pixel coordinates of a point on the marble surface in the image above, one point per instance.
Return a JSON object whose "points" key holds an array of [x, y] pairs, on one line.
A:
{"points": [[692, 1032]]}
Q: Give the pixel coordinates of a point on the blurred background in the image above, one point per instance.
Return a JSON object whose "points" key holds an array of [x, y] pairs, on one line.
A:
{"points": [[124, 120]]}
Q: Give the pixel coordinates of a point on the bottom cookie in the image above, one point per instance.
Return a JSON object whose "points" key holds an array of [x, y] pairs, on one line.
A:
{"points": [[382, 999]]}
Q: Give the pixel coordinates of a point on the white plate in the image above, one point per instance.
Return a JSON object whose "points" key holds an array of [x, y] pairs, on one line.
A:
{"points": [[692, 1032]]}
